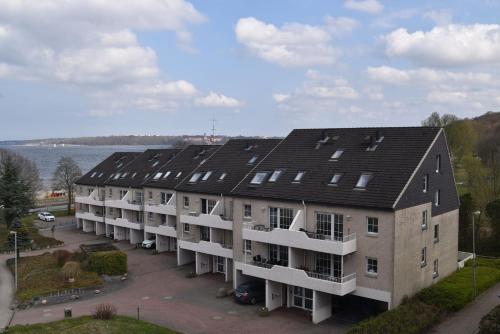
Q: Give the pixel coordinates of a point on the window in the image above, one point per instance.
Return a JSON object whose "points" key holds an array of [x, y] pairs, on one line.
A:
{"points": [[436, 233], [167, 174], [259, 178], [178, 175], [337, 154], [124, 175], [437, 198], [110, 192], [186, 228], [207, 175], [117, 176], [222, 176], [185, 200], [324, 224], [205, 233], [207, 205], [146, 176], [163, 198], [280, 217], [93, 174], [247, 211], [363, 180], [278, 255], [438, 163], [425, 183], [371, 265], [275, 175], [335, 179], [302, 298], [220, 265], [424, 220], [247, 246], [150, 216], [195, 177], [123, 193], [299, 176], [133, 175], [252, 160], [435, 270], [163, 219], [372, 225], [323, 263], [150, 194], [155, 164], [157, 176], [423, 257]]}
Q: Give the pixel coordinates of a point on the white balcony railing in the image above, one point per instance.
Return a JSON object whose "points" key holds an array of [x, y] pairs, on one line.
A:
{"points": [[89, 216], [123, 222], [162, 229], [215, 219], [207, 247], [94, 198], [168, 208]]}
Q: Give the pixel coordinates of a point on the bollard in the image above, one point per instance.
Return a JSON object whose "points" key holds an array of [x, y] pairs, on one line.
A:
{"points": [[67, 312]]}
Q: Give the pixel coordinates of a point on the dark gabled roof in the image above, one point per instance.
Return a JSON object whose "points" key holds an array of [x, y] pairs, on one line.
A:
{"points": [[233, 159], [391, 165], [184, 163], [98, 175], [142, 167]]}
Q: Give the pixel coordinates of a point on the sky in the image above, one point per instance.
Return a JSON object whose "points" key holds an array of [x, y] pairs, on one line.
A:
{"points": [[168, 67]]}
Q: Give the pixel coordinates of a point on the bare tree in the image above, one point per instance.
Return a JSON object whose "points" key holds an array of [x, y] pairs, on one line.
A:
{"points": [[65, 176]]}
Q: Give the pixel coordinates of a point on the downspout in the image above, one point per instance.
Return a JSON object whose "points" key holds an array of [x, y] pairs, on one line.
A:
{"points": [[305, 228]]}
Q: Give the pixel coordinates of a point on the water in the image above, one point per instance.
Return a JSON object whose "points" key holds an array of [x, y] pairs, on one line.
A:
{"points": [[47, 157]]}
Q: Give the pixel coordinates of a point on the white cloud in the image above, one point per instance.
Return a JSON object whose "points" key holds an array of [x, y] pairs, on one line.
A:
{"points": [[447, 96], [440, 17], [280, 97], [390, 19], [450, 45], [293, 44], [368, 6], [218, 101], [340, 25]]}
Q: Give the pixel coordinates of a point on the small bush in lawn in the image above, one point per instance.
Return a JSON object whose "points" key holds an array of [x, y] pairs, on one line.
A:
{"points": [[490, 323], [105, 311], [71, 269], [109, 263], [62, 256]]}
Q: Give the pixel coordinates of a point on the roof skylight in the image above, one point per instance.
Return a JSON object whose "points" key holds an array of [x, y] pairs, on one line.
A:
{"points": [[167, 174], [259, 178], [117, 176], [337, 154], [157, 176], [146, 176], [252, 160], [178, 175], [222, 176], [363, 180], [155, 164], [299, 176], [207, 175], [93, 174], [275, 175], [195, 177], [335, 178]]}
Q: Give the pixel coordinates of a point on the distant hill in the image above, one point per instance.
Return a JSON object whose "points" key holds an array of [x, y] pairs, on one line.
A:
{"points": [[488, 121]]}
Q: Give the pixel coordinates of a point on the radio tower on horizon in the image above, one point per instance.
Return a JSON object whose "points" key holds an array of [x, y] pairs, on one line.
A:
{"points": [[213, 130]]}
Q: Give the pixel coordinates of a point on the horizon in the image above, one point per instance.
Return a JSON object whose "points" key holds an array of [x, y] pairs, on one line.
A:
{"points": [[258, 69]]}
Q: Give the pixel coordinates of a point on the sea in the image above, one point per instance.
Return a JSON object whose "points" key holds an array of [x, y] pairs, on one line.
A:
{"points": [[47, 157]]}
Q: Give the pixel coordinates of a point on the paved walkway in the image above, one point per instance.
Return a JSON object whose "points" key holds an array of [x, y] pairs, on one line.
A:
{"points": [[6, 294], [467, 320]]}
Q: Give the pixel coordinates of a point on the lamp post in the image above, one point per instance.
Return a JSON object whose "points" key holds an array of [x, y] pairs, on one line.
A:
{"points": [[15, 252], [475, 215]]}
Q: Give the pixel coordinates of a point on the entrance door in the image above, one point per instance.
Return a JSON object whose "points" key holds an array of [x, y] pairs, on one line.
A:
{"points": [[220, 264], [302, 298]]}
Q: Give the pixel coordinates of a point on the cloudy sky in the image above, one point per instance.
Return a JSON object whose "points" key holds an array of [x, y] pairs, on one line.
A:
{"points": [[95, 67]]}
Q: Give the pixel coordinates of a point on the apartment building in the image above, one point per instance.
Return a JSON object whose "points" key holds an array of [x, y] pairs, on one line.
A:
{"points": [[124, 195], [331, 212], [89, 197], [317, 216], [160, 207], [205, 205]]}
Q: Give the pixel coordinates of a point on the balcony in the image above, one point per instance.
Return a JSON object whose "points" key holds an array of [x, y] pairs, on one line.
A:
{"points": [[166, 209], [207, 247], [127, 202], [90, 216], [125, 223], [297, 237], [297, 277], [162, 229], [93, 199], [214, 219]]}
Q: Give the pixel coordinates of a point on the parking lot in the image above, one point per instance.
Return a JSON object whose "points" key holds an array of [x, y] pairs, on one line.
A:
{"points": [[158, 289]]}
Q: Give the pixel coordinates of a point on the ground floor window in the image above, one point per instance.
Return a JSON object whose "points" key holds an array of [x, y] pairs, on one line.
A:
{"points": [[302, 298], [219, 264]]}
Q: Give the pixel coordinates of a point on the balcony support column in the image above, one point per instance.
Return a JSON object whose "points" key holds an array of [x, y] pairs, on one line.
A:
{"points": [[322, 306], [274, 298], [100, 228]]}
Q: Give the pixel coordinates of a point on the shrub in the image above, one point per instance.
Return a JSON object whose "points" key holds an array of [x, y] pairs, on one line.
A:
{"points": [[109, 263], [62, 256], [490, 323], [105, 311], [71, 269]]}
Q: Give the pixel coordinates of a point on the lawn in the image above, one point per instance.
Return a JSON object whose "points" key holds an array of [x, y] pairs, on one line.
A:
{"points": [[416, 315], [87, 324], [40, 275]]}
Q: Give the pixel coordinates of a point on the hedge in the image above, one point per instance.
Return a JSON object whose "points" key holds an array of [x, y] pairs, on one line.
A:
{"points": [[427, 307], [109, 263]]}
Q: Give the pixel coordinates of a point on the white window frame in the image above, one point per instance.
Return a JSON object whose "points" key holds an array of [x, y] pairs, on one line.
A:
{"points": [[374, 264], [245, 211], [437, 198], [185, 202], [425, 220], [374, 225], [436, 237], [425, 183], [435, 268], [423, 257], [186, 228], [247, 247]]}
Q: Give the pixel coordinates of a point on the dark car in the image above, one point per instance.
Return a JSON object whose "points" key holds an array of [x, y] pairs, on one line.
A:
{"points": [[250, 292]]}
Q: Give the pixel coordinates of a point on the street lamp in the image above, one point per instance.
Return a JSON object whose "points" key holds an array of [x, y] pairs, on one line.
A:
{"points": [[15, 252], [475, 215]]}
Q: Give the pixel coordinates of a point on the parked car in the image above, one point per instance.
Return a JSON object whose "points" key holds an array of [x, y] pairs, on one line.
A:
{"points": [[46, 217], [250, 292], [149, 243]]}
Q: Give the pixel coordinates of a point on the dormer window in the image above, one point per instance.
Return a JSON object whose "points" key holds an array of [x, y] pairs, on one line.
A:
{"points": [[207, 175], [252, 160], [337, 154], [335, 179], [178, 175], [157, 176], [259, 178], [363, 180], [275, 175], [195, 177], [222, 176], [299, 176], [167, 174]]}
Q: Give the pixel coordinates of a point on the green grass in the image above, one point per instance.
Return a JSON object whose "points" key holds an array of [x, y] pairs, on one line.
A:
{"points": [[87, 324], [40, 275], [427, 308]]}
